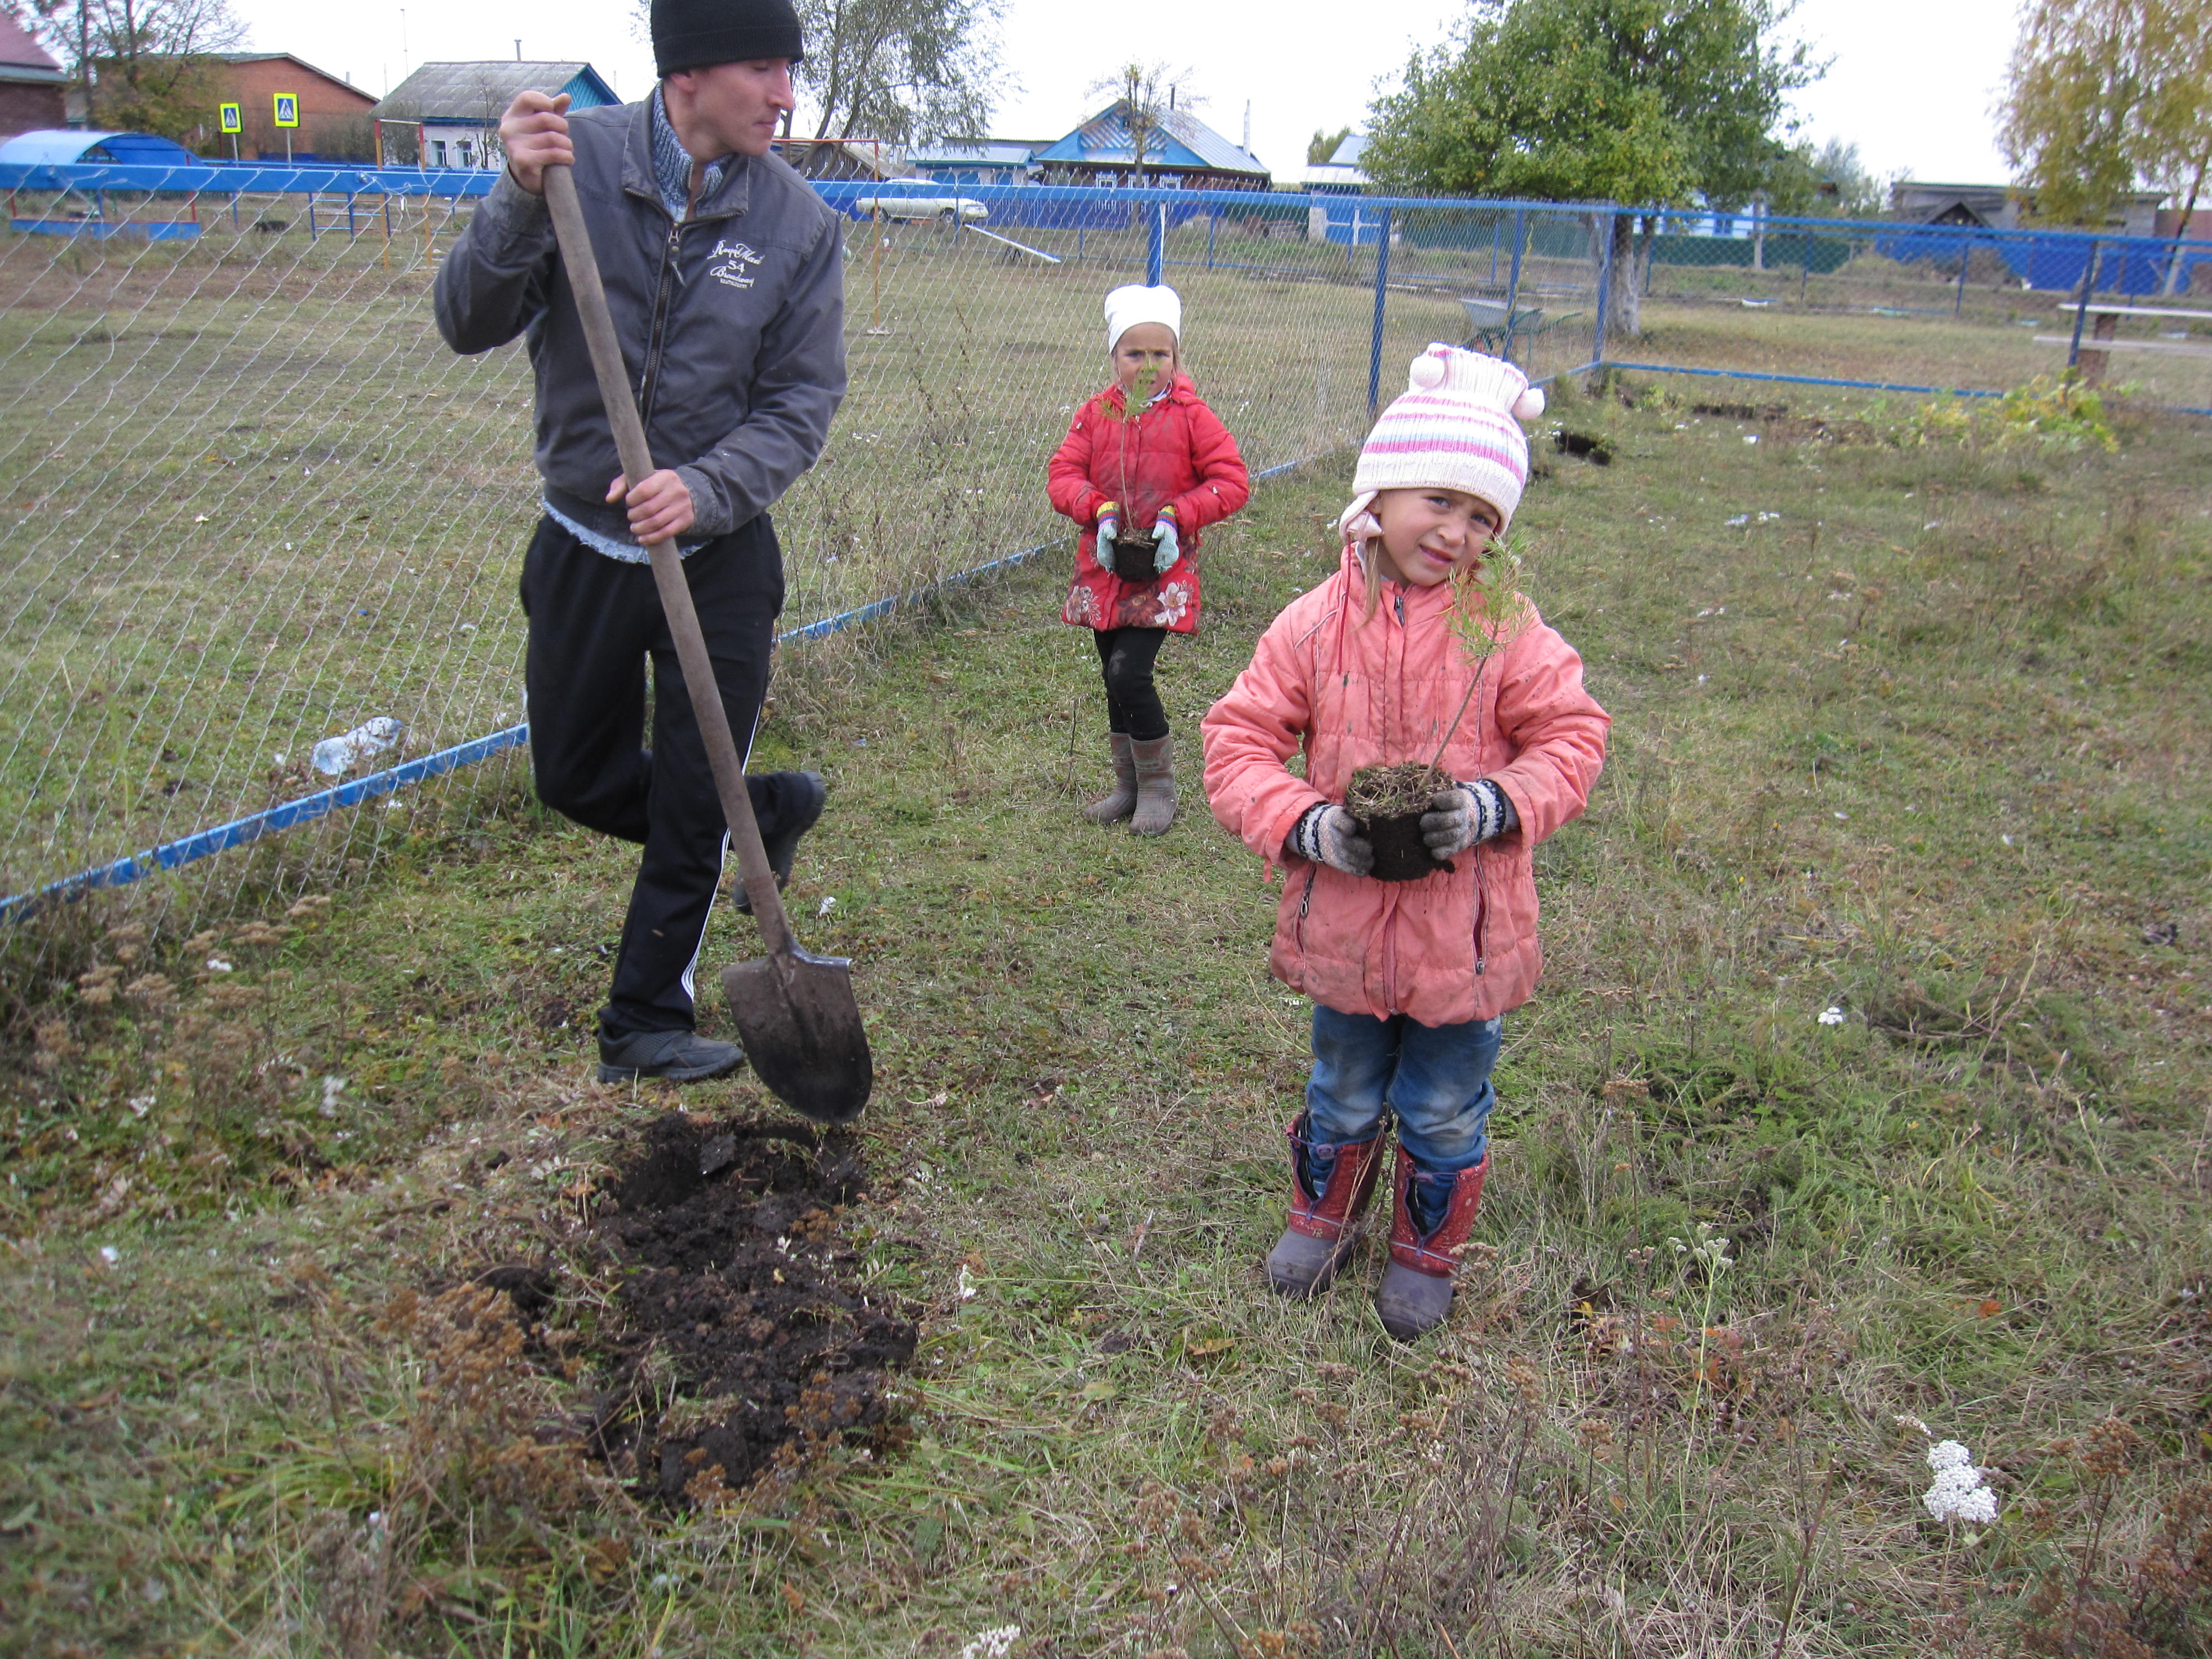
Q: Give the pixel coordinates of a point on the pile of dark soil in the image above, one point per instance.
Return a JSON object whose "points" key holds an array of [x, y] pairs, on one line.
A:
{"points": [[1389, 802], [1742, 411], [1598, 452], [736, 1291]]}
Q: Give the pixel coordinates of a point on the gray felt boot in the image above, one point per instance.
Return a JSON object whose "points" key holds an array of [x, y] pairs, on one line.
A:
{"points": [[1113, 808], [1156, 788]]}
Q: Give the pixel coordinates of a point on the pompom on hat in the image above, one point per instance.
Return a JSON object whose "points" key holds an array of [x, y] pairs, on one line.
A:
{"points": [[1457, 426], [1134, 303]]}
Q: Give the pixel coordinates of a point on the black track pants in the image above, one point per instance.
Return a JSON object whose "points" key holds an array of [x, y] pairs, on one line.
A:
{"points": [[594, 624], [1125, 662]]}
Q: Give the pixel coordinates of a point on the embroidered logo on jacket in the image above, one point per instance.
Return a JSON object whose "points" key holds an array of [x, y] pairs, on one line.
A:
{"points": [[731, 264]]}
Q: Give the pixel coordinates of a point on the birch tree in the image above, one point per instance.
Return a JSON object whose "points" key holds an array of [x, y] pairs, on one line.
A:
{"points": [[2105, 95]]}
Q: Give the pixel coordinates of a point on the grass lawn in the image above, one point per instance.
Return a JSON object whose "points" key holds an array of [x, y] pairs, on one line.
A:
{"points": [[1907, 729]]}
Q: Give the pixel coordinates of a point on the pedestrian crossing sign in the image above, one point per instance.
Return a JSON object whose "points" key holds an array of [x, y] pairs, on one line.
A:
{"points": [[231, 120], [287, 109]]}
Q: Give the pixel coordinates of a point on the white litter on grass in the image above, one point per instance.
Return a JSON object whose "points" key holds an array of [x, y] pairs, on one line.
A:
{"points": [[1832, 1015], [333, 1086], [993, 1644], [110, 1254], [828, 905], [218, 965], [141, 1104], [1751, 437], [964, 1285], [1741, 518]]}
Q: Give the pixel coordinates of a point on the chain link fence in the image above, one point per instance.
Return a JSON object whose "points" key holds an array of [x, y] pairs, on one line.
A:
{"points": [[254, 504]]}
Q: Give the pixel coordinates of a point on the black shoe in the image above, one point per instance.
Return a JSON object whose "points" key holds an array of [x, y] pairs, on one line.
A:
{"points": [[798, 809], [678, 1056]]}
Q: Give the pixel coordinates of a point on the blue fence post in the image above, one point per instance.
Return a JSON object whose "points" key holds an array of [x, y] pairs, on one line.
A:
{"points": [[1513, 283], [2081, 311], [1156, 256], [1496, 227], [1382, 294], [1607, 218]]}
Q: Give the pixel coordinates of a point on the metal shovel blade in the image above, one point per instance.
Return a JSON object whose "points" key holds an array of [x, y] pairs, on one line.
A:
{"points": [[800, 1025]]}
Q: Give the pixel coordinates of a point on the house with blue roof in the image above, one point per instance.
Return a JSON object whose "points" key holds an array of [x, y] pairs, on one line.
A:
{"points": [[446, 115], [1178, 148]]}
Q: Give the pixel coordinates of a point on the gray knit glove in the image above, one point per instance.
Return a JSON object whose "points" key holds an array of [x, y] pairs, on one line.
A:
{"points": [[1464, 814], [1329, 835]]}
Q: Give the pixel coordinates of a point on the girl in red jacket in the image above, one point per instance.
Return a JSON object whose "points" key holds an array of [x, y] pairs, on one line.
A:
{"points": [[1146, 454], [1399, 656]]}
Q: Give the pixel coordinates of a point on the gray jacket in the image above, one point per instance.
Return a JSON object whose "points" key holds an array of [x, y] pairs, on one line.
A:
{"points": [[732, 323]]}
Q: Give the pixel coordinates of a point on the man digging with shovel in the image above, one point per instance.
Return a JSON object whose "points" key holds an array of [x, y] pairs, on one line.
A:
{"points": [[723, 271]]}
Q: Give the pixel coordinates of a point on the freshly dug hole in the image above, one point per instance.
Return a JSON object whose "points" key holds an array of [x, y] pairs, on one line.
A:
{"points": [[737, 1287], [1389, 802]]}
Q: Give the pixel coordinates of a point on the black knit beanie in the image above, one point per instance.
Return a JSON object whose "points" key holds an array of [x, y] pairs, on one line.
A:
{"points": [[694, 33]]}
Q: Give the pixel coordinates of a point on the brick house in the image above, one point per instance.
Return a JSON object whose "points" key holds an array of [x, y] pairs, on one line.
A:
{"points": [[34, 87], [334, 114]]}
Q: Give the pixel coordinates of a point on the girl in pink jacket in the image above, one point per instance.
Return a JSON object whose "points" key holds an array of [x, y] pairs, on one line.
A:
{"points": [[1409, 979]]}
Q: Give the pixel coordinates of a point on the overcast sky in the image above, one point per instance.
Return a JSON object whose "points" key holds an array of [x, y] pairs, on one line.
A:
{"points": [[1912, 85]]}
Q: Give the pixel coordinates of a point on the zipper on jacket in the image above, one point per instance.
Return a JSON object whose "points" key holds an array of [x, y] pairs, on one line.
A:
{"points": [[1305, 903], [651, 381], [1481, 915]]}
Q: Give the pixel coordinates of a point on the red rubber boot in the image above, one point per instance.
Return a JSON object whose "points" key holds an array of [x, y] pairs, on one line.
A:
{"points": [[1323, 1231], [1416, 1292]]}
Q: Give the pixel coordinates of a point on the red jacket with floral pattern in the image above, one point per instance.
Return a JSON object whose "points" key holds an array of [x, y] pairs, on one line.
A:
{"points": [[1175, 454]]}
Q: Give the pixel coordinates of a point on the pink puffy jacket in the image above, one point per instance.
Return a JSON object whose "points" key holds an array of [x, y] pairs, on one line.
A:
{"points": [[1450, 947]]}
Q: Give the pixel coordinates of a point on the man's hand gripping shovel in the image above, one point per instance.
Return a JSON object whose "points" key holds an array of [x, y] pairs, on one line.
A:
{"points": [[796, 1014]]}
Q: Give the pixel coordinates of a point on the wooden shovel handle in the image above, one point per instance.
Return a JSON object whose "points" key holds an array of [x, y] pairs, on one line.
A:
{"points": [[576, 242]]}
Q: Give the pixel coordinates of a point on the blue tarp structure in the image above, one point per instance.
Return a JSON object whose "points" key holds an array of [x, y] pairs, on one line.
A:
{"points": [[2055, 261], [48, 149]]}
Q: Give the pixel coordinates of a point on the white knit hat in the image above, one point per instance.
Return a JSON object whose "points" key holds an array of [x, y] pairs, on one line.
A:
{"points": [[1127, 306], [1457, 426]]}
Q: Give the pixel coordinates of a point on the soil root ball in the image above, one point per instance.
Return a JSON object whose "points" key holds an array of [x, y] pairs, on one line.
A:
{"points": [[1389, 802]]}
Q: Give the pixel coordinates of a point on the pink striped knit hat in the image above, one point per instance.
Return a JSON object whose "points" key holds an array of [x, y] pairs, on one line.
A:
{"points": [[1457, 426]]}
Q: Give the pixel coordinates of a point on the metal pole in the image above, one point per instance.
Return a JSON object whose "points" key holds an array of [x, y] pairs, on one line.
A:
{"points": [[1156, 256], [1495, 225], [2081, 311], [1965, 259], [1382, 293], [1213, 219], [349, 224], [1607, 220], [1513, 283]]}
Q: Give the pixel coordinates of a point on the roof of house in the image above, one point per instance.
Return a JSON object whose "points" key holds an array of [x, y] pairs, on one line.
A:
{"points": [[1180, 142], [1347, 153], [23, 59], [337, 80], [480, 91], [977, 152]]}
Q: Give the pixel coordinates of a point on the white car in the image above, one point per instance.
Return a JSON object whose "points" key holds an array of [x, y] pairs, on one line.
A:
{"points": [[946, 209]]}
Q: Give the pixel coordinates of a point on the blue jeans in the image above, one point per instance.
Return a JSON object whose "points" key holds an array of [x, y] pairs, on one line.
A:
{"points": [[1434, 1080]]}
